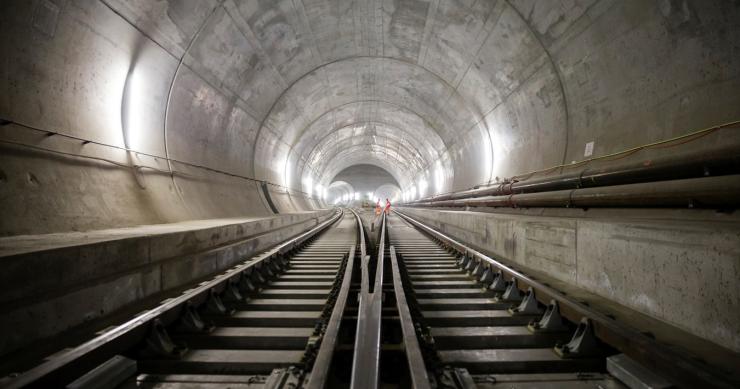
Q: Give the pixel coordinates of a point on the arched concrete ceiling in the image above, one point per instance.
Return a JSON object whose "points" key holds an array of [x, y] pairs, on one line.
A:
{"points": [[414, 80], [392, 83], [473, 89], [451, 93], [340, 192], [365, 178]]}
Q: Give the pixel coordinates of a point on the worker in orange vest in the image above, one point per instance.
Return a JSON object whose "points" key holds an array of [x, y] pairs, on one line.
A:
{"points": [[377, 208], [387, 206]]}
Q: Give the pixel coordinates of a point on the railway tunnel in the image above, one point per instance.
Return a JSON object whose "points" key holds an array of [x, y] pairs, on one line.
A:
{"points": [[188, 192]]}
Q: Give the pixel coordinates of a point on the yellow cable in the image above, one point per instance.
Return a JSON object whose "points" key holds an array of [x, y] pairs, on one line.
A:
{"points": [[704, 131]]}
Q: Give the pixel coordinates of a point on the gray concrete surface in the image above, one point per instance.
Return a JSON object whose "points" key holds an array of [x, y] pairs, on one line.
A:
{"points": [[365, 179], [172, 111], [55, 282], [450, 93], [682, 268]]}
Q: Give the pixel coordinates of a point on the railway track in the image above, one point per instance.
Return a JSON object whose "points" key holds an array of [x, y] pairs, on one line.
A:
{"points": [[270, 322], [337, 308], [470, 321], [472, 335]]}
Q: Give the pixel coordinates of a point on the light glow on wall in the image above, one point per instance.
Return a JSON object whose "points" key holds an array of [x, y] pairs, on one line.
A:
{"points": [[487, 162], [438, 177], [133, 120], [286, 173], [308, 185], [422, 187], [357, 195], [411, 193]]}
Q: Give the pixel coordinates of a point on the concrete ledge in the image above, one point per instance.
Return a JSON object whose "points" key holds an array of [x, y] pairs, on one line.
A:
{"points": [[679, 267], [79, 277]]}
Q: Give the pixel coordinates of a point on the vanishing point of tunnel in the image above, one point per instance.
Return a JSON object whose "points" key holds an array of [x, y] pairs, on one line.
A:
{"points": [[369, 193]]}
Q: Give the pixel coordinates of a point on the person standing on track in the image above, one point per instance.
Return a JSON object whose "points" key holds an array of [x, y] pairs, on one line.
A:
{"points": [[387, 207]]}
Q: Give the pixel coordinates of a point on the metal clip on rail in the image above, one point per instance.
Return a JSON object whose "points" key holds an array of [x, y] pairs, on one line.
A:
{"points": [[583, 344], [528, 306], [551, 320], [191, 322]]}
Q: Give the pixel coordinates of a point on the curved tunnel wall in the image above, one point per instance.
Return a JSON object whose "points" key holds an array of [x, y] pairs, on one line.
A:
{"points": [[213, 95], [369, 181]]}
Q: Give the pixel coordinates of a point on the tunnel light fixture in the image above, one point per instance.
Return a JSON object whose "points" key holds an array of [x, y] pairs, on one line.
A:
{"points": [[369, 195], [319, 190], [357, 195]]}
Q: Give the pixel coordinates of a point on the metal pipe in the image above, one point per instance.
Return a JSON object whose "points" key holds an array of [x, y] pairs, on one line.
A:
{"points": [[707, 192], [721, 162]]}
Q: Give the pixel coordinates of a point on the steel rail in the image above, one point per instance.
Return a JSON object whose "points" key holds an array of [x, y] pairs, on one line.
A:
{"points": [[364, 279], [679, 368], [366, 358], [417, 368], [320, 370], [63, 368]]}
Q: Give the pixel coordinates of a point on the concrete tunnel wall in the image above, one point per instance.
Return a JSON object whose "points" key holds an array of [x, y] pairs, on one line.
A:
{"points": [[451, 94], [366, 179]]}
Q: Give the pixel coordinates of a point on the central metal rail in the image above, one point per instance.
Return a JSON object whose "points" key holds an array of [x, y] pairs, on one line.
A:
{"points": [[366, 360]]}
